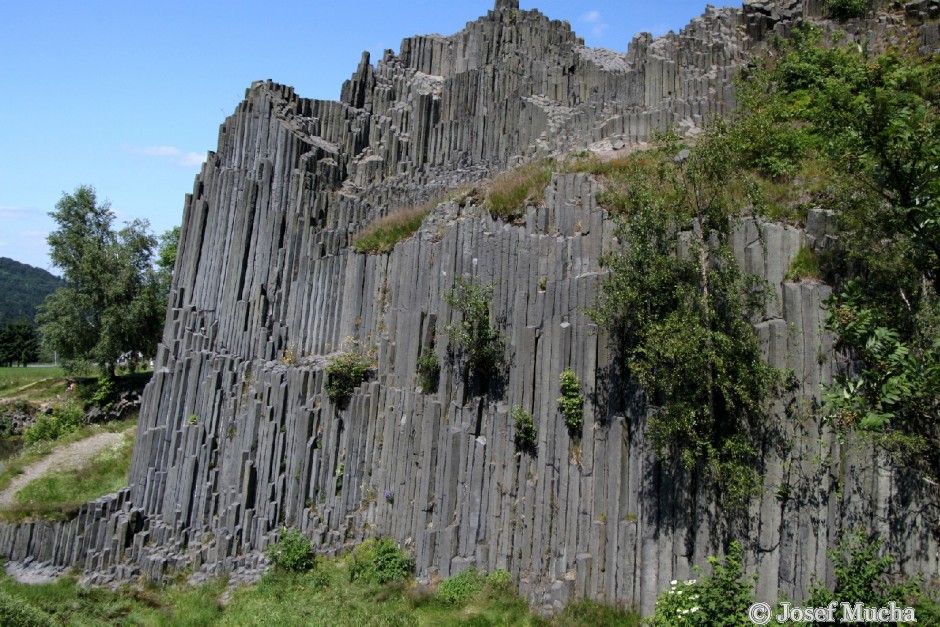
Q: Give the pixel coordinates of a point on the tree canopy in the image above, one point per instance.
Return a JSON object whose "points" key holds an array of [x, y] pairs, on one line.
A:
{"points": [[874, 122], [19, 344], [680, 309], [112, 303]]}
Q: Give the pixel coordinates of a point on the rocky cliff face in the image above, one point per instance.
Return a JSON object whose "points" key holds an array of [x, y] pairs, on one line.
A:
{"points": [[266, 286]]}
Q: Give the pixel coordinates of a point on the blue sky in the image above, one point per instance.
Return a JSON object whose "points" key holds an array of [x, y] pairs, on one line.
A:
{"points": [[128, 95]]}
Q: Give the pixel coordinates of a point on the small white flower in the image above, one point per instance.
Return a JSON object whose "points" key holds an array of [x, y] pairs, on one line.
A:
{"points": [[695, 609], [694, 597], [679, 592], [673, 582], [690, 581], [685, 612], [678, 611]]}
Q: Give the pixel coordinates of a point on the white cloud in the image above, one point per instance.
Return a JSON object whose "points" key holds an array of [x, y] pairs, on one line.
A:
{"points": [[13, 212], [177, 156], [596, 20], [193, 159], [591, 16]]}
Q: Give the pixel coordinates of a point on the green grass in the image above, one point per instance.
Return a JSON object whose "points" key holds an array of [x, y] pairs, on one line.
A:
{"points": [[59, 494], [323, 596], [804, 267], [512, 191], [381, 236], [33, 453], [68, 603], [28, 381]]}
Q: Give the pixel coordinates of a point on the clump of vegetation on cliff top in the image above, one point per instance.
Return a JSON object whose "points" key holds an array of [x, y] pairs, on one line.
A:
{"points": [[510, 192], [381, 235]]}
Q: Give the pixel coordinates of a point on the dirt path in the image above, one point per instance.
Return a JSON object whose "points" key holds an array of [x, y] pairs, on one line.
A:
{"points": [[71, 456]]}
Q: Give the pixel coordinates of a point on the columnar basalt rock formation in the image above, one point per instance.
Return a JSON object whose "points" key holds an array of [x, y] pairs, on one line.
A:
{"points": [[267, 287]]}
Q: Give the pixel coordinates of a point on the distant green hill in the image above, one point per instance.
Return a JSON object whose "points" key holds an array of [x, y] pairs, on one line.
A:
{"points": [[22, 289]]}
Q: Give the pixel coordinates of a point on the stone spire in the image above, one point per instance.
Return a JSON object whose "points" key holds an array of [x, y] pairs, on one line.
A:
{"points": [[506, 4]]}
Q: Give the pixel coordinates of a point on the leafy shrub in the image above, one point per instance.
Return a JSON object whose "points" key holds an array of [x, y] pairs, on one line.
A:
{"points": [[478, 342], [681, 323], [429, 370], [499, 579], [863, 577], [16, 612], [105, 392], [510, 192], [293, 552], [346, 372], [722, 598], [572, 401], [898, 388], [382, 234], [526, 434], [846, 9], [380, 561], [804, 266], [64, 419], [460, 588]]}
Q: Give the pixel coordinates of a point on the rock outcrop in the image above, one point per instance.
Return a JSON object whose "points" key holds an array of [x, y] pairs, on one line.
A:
{"points": [[266, 285]]}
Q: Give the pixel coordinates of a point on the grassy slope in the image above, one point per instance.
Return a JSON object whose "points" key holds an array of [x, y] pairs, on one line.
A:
{"points": [[31, 382], [57, 494], [322, 597]]}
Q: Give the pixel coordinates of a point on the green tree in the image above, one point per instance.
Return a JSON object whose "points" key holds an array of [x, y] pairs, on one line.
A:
{"points": [[166, 258], [478, 344], [876, 120], [19, 344], [111, 303], [680, 310]]}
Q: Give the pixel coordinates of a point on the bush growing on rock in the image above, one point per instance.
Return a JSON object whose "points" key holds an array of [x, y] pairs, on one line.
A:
{"points": [[572, 402], [346, 372], [526, 434], [429, 370], [478, 344]]}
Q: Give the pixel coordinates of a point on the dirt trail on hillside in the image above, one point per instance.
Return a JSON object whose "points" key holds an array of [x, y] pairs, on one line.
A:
{"points": [[71, 456]]}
